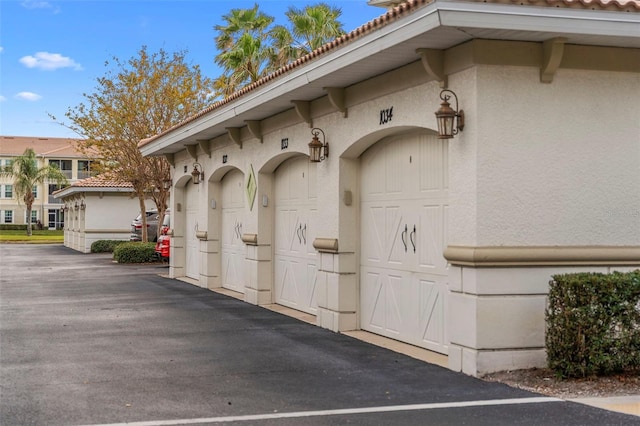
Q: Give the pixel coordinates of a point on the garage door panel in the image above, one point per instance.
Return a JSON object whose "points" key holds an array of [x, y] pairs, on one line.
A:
{"points": [[432, 314], [429, 235], [311, 295], [192, 249], [403, 235], [295, 256], [384, 226], [431, 168], [233, 250]]}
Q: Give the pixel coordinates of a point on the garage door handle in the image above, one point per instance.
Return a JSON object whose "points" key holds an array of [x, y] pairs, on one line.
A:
{"points": [[412, 237], [298, 232], [404, 237], [304, 234]]}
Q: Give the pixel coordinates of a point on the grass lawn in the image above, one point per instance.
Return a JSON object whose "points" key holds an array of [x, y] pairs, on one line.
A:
{"points": [[38, 237]]}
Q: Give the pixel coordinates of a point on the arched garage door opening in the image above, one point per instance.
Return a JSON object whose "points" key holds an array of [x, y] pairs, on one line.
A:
{"points": [[192, 249], [294, 254], [403, 274], [233, 251]]}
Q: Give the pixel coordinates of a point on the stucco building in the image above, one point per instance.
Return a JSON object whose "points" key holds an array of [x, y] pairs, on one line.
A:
{"points": [[446, 244], [98, 208], [63, 153]]}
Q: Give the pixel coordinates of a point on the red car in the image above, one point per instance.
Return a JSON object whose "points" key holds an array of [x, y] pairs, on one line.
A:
{"points": [[163, 245]]}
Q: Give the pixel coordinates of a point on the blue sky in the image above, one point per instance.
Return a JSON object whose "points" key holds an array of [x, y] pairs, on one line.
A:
{"points": [[51, 52]]}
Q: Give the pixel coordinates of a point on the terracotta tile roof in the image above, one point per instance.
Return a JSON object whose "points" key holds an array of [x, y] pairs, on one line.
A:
{"points": [[102, 181], [11, 146], [392, 15]]}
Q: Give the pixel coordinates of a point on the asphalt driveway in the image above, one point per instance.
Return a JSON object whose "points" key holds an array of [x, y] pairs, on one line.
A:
{"points": [[87, 341]]}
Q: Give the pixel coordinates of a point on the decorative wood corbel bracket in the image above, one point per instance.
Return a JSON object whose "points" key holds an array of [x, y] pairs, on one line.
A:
{"points": [[234, 134], [170, 159], [303, 108], [255, 128], [336, 97], [552, 50], [204, 145], [193, 151], [433, 63]]}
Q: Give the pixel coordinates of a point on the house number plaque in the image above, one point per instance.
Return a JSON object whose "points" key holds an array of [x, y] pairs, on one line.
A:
{"points": [[386, 115], [284, 143], [224, 159]]}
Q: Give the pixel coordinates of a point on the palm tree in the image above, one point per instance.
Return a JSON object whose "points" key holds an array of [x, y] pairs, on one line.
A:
{"points": [[311, 27], [244, 49], [26, 175], [250, 49]]}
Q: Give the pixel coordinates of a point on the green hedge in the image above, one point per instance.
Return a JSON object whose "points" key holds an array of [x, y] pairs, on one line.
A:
{"points": [[135, 252], [14, 227], [105, 246], [593, 323]]}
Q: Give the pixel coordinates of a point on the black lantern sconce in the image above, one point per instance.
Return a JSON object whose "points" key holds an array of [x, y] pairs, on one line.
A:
{"points": [[318, 151], [76, 206], [82, 205], [446, 116], [197, 173], [166, 183]]}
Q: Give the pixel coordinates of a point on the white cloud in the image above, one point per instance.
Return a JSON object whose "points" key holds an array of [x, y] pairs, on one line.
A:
{"points": [[1, 49], [28, 96], [2, 98], [49, 61], [36, 4]]}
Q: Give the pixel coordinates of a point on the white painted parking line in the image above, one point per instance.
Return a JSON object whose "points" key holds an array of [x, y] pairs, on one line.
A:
{"points": [[364, 410]]}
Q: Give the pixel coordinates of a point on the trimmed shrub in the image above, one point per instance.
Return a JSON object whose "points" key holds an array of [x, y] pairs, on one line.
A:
{"points": [[14, 227], [593, 323], [105, 246], [135, 252]]}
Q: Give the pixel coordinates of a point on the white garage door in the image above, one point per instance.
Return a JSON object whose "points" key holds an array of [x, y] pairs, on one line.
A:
{"points": [[403, 274], [233, 249], [295, 257], [192, 251]]}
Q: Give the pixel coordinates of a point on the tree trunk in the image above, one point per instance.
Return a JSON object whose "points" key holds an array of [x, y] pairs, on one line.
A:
{"points": [[28, 202], [29, 205], [143, 216]]}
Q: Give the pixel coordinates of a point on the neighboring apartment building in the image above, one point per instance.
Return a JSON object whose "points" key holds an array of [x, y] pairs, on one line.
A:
{"points": [[62, 152]]}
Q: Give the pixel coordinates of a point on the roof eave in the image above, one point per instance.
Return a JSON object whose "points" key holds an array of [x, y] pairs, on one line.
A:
{"points": [[442, 14]]}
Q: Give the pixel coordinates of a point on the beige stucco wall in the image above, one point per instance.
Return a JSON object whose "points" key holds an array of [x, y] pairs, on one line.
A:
{"points": [[107, 216], [558, 163]]}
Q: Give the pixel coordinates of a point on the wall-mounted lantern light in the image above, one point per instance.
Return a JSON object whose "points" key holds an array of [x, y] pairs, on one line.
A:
{"points": [[76, 206], [446, 116], [197, 173], [166, 183], [318, 151], [82, 205]]}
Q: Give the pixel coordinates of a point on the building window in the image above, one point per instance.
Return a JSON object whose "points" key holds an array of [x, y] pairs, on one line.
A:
{"points": [[34, 191], [8, 216], [53, 188], [34, 216], [8, 191], [64, 165], [84, 169], [7, 165]]}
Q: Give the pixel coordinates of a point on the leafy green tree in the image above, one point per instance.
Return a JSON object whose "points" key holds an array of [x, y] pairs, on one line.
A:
{"points": [[27, 175], [135, 100]]}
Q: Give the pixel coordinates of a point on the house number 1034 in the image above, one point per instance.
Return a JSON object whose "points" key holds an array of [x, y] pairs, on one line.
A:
{"points": [[386, 115]]}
